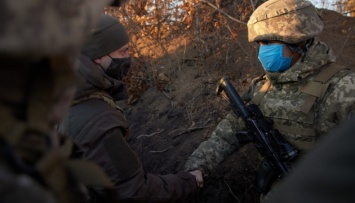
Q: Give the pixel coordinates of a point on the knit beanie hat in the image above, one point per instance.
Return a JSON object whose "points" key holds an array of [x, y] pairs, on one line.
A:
{"points": [[108, 36]]}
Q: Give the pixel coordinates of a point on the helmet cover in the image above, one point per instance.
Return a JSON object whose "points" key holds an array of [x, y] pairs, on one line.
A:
{"points": [[290, 21]]}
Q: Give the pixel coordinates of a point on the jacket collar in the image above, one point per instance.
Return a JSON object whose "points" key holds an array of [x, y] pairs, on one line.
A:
{"points": [[93, 79], [318, 55]]}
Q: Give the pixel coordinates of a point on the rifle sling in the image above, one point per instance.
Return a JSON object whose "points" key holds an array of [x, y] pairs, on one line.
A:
{"points": [[317, 87], [260, 95]]}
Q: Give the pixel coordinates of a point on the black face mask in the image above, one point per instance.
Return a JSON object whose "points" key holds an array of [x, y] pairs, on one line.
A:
{"points": [[118, 67]]}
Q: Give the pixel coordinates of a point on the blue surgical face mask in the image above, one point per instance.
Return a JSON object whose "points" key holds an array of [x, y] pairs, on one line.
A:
{"points": [[118, 67], [271, 57]]}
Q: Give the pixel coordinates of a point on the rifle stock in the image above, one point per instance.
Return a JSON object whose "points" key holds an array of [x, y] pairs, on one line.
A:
{"points": [[268, 141]]}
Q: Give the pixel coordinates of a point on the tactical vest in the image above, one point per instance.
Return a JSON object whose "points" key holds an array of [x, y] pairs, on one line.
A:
{"points": [[294, 112]]}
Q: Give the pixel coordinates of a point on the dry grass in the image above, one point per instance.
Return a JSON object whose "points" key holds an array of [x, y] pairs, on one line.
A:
{"points": [[161, 31]]}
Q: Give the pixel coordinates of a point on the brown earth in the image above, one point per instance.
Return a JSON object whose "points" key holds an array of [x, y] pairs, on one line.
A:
{"points": [[179, 109]]}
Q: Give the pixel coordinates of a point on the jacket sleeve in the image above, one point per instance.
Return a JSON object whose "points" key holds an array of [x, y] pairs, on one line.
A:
{"points": [[132, 184], [98, 129], [218, 147]]}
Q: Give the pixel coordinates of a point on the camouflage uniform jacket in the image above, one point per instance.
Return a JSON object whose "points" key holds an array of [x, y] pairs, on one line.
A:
{"points": [[282, 103]]}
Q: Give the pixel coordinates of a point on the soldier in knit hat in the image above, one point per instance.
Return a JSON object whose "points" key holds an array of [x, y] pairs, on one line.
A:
{"points": [[39, 43], [98, 125]]}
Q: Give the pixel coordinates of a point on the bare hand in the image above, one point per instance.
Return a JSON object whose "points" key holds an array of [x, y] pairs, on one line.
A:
{"points": [[199, 177]]}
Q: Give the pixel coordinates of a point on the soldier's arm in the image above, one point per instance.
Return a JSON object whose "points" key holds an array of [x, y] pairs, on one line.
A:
{"points": [[218, 147], [103, 142], [223, 140], [131, 182]]}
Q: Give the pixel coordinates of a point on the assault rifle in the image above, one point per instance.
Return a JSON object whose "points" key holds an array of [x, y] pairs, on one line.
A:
{"points": [[277, 151]]}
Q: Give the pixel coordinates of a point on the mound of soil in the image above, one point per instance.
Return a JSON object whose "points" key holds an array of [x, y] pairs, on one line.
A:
{"points": [[168, 124]]}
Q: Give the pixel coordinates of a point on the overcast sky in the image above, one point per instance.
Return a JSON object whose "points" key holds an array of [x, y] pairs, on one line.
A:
{"points": [[323, 3]]}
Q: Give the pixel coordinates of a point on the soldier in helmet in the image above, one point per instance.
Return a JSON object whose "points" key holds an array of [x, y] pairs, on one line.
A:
{"points": [[99, 127], [39, 41], [303, 91]]}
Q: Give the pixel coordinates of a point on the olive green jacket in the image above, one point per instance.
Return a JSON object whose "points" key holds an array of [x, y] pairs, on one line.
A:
{"points": [[99, 128]]}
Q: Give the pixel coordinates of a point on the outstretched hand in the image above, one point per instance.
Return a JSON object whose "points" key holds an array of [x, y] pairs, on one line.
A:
{"points": [[199, 177]]}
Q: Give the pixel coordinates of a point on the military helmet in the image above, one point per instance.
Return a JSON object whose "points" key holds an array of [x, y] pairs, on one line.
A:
{"points": [[46, 27], [290, 21], [44, 36]]}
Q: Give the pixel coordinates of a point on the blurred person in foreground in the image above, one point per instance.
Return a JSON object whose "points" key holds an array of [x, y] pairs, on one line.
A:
{"points": [[99, 126], [324, 175], [304, 93], [39, 43]]}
